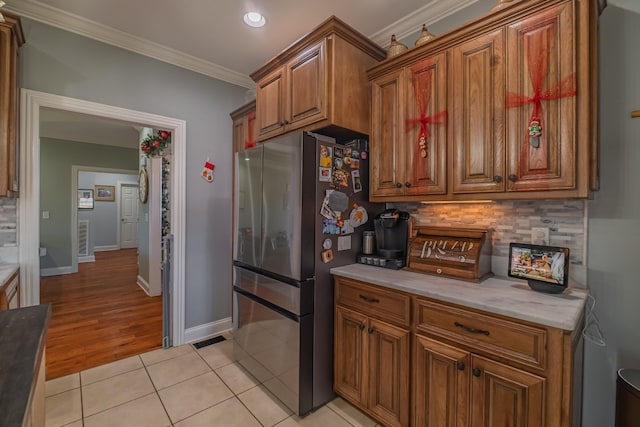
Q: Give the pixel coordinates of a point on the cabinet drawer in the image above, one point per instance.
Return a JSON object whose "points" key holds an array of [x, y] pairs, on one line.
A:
{"points": [[391, 306], [511, 340]]}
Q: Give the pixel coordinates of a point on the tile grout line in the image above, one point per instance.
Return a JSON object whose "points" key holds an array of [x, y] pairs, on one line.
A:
{"points": [[156, 391]]}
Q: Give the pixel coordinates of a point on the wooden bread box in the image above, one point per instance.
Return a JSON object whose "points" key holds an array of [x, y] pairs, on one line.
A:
{"points": [[459, 253]]}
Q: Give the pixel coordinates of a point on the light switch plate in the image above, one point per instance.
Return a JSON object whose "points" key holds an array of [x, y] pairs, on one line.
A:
{"points": [[540, 235], [45, 214]]}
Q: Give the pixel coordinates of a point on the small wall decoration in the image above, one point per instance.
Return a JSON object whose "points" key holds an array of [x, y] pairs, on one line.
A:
{"points": [[105, 193], [207, 171], [85, 199]]}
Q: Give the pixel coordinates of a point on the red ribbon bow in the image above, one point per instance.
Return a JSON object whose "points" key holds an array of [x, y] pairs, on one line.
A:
{"points": [[437, 119], [537, 47], [250, 143]]}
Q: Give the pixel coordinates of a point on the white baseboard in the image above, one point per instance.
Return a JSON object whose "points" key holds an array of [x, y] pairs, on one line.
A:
{"points": [[208, 330], [56, 271], [106, 248], [88, 258], [143, 284]]}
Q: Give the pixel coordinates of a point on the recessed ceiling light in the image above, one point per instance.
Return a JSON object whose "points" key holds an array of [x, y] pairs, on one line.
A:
{"points": [[254, 19]]}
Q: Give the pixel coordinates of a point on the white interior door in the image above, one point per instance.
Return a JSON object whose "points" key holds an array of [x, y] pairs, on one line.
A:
{"points": [[128, 216]]}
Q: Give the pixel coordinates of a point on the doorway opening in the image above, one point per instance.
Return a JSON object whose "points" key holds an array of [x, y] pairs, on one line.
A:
{"points": [[29, 204]]}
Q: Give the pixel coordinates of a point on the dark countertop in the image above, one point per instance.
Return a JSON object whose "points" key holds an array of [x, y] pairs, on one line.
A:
{"points": [[22, 339]]}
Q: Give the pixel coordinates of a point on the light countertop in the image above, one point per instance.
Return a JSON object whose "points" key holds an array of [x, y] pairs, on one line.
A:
{"points": [[507, 297], [6, 271]]}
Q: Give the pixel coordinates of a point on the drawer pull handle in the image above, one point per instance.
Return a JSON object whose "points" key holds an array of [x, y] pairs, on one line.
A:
{"points": [[460, 366], [472, 330], [361, 326], [371, 330], [369, 299], [476, 372]]}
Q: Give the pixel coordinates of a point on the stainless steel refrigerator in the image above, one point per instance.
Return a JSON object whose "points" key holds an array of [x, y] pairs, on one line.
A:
{"points": [[290, 230]]}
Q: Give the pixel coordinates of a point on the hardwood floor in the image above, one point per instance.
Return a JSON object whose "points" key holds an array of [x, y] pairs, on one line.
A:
{"points": [[99, 314]]}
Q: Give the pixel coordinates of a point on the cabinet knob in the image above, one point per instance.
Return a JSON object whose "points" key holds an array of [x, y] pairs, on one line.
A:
{"points": [[513, 178], [476, 372], [407, 184], [497, 178], [398, 185], [370, 330], [460, 366], [361, 326], [286, 122]]}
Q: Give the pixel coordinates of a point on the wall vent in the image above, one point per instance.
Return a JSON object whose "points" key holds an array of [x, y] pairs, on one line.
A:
{"points": [[83, 237]]}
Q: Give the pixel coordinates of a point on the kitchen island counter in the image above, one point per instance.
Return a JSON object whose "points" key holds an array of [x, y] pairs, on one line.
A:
{"points": [[22, 346], [507, 297]]}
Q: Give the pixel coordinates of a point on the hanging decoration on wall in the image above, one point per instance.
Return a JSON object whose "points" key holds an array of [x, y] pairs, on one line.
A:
{"points": [[537, 51], [422, 87], [207, 171], [156, 144]]}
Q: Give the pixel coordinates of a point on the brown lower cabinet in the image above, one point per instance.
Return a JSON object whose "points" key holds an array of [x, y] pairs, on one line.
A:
{"points": [[466, 368]]}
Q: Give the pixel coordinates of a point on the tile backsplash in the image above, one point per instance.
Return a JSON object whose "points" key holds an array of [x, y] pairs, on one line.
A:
{"points": [[512, 221], [8, 231]]}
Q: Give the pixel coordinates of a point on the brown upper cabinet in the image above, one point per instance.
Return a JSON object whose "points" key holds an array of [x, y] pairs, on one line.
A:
{"points": [[11, 38], [244, 126], [317, 82], [523, 68]]}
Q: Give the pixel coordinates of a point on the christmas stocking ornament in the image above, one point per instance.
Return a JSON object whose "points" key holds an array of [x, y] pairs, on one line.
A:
{"points": [[207, 171]]}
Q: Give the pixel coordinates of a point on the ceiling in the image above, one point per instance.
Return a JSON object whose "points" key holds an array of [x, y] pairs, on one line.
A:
{"points": [[210, 38]]}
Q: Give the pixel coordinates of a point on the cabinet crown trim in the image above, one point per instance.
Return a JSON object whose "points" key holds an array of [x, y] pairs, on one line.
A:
{"points": [[332, 25]]}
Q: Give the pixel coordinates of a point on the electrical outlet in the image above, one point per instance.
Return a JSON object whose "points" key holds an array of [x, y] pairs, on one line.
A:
{"points": [[540, 235]]}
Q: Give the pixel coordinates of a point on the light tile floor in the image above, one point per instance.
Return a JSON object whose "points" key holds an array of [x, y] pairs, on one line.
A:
{"points": [[181, 387]]}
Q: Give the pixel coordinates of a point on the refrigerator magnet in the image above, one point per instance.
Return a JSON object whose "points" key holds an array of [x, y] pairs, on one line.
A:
{"points": [[347, 227], [326, 160], [325, 174], [327, 244], [363, 155], [330, 226], [327, 256], [355, 179], [338, 151]]}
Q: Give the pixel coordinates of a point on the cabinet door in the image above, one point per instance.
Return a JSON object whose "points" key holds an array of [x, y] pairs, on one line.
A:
{"points": [[349, 355], [239, 132], [270, 104], [307, 87], [477, 104], [427, 84], [440, 384], [389, 373], [542, 48], [505, 396], [387, 135]]}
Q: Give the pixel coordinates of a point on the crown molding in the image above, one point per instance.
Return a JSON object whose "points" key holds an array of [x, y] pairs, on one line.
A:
{"points": [[94, 30], [431, 12]]}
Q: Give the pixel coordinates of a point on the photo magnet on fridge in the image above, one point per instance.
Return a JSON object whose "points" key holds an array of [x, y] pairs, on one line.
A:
{"points": [[325, 175], [357, 184], [338, 152], [326, 160]]}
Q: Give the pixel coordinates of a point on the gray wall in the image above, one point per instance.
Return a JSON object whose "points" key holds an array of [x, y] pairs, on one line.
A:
{"points": [[614, 218], [103, 218], [56, 159], [62, 63]]}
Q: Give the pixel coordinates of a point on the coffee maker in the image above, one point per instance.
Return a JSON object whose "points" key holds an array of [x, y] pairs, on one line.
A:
{"points": [[392, 236]]}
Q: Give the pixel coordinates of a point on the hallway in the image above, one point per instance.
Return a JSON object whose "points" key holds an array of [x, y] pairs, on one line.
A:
{"points": [[99, 315]]}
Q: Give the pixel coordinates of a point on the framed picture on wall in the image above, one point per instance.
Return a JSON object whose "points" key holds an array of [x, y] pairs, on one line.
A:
{"points": [[85, 199], [105, 193]]}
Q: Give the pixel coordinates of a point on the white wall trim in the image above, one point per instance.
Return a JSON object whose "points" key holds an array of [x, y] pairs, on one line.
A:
{"points": [[56, 271], [88, 258], [103, 33], [433, 11], [208, 330], [155, 223], [143, 284], [29, 201], [75, 169]]}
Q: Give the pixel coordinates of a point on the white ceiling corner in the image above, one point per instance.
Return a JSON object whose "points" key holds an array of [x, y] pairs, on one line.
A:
{"points": [[431, 12], [97, 31]]}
